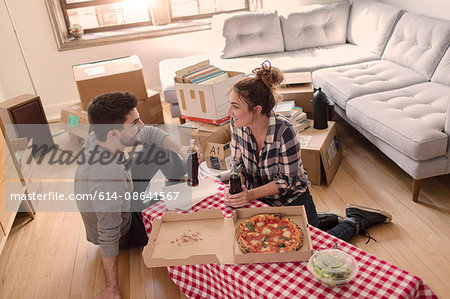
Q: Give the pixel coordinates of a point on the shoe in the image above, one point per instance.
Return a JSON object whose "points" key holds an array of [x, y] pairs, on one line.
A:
{"points": [[365, 217], [329, 219]]}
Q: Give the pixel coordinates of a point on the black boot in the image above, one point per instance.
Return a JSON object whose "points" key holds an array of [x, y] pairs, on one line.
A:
{"points": [[365, 217], [328, 220]]}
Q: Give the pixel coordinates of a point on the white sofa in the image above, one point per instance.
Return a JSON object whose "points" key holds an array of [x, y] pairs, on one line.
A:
{"points": [[386, 70]]}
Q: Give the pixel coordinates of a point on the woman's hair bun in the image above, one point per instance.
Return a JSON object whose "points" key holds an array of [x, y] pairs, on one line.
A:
{"points": [[271, 76]]}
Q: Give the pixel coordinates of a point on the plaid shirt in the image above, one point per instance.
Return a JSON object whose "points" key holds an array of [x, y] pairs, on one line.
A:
{"points": [[279, 159]]}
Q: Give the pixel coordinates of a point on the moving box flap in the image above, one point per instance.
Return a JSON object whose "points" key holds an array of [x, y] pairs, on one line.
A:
{"points": [[106, 67], [189, 69], [220, 137], [296, 78]]}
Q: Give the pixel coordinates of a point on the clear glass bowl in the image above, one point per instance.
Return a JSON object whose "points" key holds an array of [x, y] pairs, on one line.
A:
{"points": [[333, 267]]}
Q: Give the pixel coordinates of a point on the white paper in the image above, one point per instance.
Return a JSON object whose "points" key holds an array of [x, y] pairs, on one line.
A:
{"points": [[184, 197]]}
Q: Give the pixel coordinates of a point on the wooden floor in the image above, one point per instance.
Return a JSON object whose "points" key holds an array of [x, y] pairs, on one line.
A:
{"points": [[49, 256]]}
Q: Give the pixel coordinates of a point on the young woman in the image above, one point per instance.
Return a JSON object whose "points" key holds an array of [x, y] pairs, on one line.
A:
{"points": [[267, 147]]}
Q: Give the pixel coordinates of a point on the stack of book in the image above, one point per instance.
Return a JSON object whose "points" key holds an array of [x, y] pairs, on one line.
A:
{"points": [[205, 75], [299, 120]]}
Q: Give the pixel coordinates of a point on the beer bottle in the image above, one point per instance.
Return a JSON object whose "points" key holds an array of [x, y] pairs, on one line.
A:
{"points": [[192, 165], [235, 179]]}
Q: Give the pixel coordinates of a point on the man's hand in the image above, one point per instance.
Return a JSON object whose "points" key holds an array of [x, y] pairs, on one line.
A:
{"points": [[184, 153], [109, 293], [238, 200]]}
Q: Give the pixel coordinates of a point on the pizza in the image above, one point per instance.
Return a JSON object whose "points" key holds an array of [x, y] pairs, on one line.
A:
{"points": [[268, 233]]}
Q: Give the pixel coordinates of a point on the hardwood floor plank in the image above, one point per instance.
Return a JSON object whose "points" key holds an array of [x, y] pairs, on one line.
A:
{"points": [[124, 273], [99, 276], [79, 260], [71, 249], [137, 289], [164, 287]]}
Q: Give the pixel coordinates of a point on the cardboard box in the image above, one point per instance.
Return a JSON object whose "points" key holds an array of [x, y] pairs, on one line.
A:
{"points": [[297, 87], [75, 120], [216, 149], [150, 109], [206, 102], [322, 154], [119, 74], [218, 244], [199, 131]]}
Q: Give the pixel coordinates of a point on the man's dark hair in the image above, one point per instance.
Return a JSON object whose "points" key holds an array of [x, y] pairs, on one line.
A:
{"points": [[109, 111]]}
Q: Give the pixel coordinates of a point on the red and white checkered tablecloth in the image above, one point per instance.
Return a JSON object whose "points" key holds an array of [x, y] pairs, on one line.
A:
{"points": [[376, 278]]}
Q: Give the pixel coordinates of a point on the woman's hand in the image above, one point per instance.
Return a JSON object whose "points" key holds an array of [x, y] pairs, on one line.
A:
{"points": [[238, 200]]}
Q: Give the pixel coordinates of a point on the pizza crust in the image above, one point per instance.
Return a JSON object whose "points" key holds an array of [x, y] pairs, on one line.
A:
{"points": [[246, 236]]}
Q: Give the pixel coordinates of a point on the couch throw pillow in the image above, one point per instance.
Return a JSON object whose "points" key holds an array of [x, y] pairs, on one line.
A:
{"points": [[315, 26], [252, 33]]}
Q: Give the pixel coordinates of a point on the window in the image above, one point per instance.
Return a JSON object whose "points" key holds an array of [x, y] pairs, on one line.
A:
{"points": [[108, 15], [111, 21]]}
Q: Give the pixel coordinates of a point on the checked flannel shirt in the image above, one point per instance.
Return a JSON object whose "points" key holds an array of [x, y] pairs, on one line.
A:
{"points": [[279, 159]]}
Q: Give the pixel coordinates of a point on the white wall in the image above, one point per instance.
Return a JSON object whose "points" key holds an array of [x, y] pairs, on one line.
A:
{"points": [[14, 79], [2, 93], [51, 70]]}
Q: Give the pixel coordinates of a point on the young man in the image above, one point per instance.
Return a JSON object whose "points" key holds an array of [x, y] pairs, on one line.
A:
{"points": [[112, 217]]}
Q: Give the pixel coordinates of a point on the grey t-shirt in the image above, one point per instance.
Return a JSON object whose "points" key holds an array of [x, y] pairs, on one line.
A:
{"points": [[107, 179]]}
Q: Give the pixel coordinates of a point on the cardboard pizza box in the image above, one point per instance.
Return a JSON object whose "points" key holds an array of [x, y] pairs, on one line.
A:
{"points": [[215, 238]]}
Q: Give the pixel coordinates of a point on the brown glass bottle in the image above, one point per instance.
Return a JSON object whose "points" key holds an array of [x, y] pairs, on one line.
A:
{"points": [[235, 180], [192, 165]]}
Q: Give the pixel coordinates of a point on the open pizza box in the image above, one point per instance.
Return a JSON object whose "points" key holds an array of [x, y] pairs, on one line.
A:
{"points": [[214, 238]]}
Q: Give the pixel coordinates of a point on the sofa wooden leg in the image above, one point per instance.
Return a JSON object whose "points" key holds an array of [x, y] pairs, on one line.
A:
{"points": [[416, 189]]}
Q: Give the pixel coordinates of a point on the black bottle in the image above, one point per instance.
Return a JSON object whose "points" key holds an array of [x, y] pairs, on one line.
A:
{"points": [[235, 179], [192, 165], [320, 105]]}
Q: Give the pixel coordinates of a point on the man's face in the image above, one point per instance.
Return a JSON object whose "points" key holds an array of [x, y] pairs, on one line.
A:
{"points": [[131, 128]]}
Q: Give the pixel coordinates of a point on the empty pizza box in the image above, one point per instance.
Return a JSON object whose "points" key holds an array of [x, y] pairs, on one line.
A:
{"points": [[215, 238]]}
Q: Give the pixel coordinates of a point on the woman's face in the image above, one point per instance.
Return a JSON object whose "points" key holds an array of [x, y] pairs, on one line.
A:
{"points": [[239, 111]]}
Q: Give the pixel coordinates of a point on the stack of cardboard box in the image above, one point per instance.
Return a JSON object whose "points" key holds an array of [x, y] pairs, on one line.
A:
{"points": [[120, 74]]}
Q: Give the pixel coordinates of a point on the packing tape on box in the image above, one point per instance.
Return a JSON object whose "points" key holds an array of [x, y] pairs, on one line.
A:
{"points": [[202, 101]]}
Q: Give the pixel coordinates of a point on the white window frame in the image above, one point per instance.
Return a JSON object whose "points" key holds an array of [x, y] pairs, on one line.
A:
{"points": [[66, 42]]}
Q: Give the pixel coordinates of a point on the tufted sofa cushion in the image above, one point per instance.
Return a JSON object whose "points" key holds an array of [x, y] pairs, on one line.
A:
{"points": [[411, 119], [371, 24], [346, 82], [418, 42], [252, 33], [442, 73], [315, 26]]}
